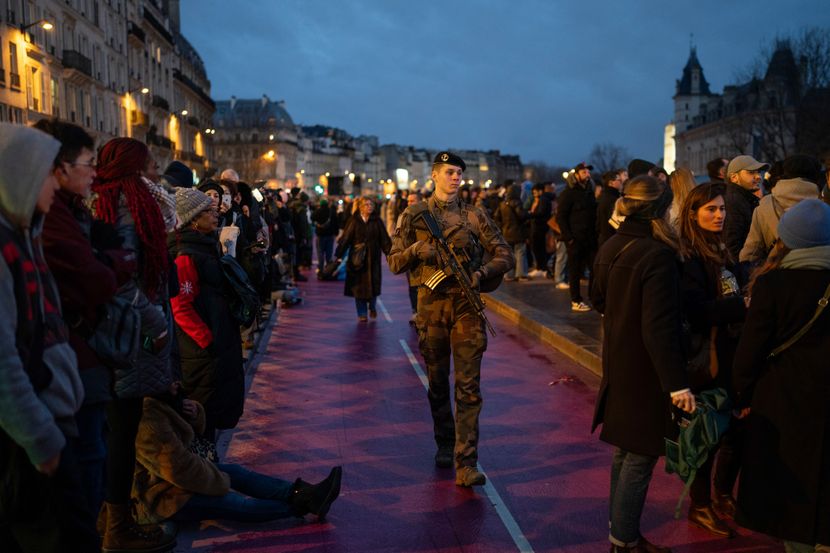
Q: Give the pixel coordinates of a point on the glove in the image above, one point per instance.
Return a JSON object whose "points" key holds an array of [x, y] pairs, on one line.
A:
{"points": [[425, 251], [475, 280]]}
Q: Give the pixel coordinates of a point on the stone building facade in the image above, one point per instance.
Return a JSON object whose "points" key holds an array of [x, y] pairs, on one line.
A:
{"points": [[763, 117], [91, 67]]}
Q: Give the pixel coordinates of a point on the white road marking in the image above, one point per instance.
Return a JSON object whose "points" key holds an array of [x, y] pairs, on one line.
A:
{"points": [[383, 310], [498, 503]]}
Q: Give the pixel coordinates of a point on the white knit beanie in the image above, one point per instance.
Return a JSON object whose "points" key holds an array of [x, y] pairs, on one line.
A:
{"points": [[190, 203]]}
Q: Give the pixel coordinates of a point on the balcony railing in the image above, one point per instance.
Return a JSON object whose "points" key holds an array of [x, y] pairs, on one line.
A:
{"points": [[135, 31], [75, 60], [161, 102], [14, 80], [188, 82], [158, 26], [162, 141]]}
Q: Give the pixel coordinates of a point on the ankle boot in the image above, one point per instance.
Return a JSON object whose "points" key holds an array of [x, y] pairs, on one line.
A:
{"points": [[316, 498], [704, 517], [724, 505], [123, 535]]}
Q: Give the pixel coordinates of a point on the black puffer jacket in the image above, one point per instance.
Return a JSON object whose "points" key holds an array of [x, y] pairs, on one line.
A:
{"points": [[212, 373], [576, 213]]}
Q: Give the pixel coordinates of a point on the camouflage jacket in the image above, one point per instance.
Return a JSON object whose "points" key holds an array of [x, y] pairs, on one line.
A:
{"points": [[466, 227]]}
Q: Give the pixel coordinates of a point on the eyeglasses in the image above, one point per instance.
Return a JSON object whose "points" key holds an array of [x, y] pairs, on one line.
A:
{"points": [[91, 163]]}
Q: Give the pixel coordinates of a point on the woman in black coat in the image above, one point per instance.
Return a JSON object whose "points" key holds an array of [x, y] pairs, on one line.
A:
{"points": [[636, 288], [713, 307], [209, 342], [784, 489], [364, 237]]}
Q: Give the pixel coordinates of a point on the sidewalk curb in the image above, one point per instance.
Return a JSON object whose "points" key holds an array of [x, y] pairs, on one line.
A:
{"points": [[589, 360]]}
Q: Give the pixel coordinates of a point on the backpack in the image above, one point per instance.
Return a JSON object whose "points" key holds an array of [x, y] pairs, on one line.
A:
{"points": [[700, 433], [244, 300]]}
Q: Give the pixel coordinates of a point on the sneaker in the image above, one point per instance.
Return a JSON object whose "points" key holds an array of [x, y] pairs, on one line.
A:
{"points": [[468, 477], [563, 286], [444, 457], [509, 278], [524, 278], [580, 306]]}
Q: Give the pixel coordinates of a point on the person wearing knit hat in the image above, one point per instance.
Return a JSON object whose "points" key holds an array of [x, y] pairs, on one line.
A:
{"points": [[210, 345], [780, 378], [189, 204], [805, 225]]}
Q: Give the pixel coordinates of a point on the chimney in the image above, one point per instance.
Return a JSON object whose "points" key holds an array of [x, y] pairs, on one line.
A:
{"points": [[233, 102], [265, 100]]}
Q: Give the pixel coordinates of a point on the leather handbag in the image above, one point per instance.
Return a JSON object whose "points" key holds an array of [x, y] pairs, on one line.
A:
{"points": [[357, 256], [116, 338]]}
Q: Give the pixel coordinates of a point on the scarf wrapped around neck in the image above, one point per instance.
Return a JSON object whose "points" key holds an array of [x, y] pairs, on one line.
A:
{"points": [[120, 163]]}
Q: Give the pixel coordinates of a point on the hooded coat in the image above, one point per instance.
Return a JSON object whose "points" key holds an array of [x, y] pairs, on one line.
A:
{"points": [[511, 216], [763, 231], [39, 393]]}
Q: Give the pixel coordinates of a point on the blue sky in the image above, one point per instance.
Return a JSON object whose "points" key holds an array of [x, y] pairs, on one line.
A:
{"points": [[543, 79]]}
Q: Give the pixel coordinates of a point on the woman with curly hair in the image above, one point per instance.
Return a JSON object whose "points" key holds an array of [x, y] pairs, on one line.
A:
{"points": [[124, 201]]}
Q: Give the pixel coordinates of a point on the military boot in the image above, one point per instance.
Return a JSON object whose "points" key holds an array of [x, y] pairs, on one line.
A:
{"points": [[123, 535], [316, 498], [469, 476]]}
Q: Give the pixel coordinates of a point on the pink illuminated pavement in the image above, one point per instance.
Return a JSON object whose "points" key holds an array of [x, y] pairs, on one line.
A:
{"points": [[331, 391]]}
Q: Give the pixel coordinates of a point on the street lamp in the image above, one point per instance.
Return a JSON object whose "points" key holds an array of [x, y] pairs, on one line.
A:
{"points": [[184, 112], [44, 24]]}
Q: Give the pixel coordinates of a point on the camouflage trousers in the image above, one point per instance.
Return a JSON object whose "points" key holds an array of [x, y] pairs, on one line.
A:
{"points": [[448, 325]]}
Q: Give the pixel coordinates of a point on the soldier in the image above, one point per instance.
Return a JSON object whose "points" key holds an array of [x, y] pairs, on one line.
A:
{"points": [[447, 323]]}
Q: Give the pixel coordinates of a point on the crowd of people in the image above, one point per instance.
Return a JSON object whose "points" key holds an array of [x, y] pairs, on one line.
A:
{"points": [[135, 293], [132, 296]]}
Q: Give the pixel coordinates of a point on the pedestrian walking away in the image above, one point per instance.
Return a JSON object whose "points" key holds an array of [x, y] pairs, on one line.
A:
{"points": [[447, 323]]}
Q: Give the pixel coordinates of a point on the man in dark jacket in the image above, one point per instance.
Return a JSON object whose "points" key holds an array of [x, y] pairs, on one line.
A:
{"points": [[511, 217], [540, 212], [325, 226], [611, 185], [742, 196], [576, 214]]}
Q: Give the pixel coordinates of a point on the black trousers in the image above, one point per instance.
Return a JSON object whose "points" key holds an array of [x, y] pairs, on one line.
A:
{"points": [[580, 257], [540, 255], [123, 416]]}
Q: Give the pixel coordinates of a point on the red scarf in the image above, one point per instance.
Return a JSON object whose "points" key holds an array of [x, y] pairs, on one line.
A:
{"points": [[120, 163]]}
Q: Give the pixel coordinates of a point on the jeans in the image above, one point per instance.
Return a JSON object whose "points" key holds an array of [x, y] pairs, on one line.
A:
{"points": [[520, 253], [325, 251], [92, 452], [560, 265], [630, 477], [363, 306], [266, 498]]}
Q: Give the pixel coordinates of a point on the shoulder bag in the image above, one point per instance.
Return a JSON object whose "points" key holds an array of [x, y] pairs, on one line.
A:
{"points": [[116, 338]]}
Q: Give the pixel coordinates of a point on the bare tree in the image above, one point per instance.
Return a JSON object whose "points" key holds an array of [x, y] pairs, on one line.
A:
{"points": [[607, 157]]}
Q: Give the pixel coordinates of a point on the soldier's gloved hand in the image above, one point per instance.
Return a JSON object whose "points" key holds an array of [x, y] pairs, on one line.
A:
{"points": [[425, 251], [475, 280]]}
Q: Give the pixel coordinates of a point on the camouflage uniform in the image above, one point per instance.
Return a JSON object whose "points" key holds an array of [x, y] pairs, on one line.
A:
{"points": [[446, 322]]}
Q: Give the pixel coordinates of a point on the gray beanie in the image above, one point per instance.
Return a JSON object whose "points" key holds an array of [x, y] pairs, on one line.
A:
{"points": [[805, 225], [190, 203]]}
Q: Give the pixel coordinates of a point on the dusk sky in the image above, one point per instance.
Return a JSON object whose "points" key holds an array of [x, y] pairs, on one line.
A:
{"points": [[543, 79]]}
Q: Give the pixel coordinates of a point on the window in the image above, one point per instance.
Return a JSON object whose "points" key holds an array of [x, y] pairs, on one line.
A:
{"points": [[14, 76], [54, 93]]}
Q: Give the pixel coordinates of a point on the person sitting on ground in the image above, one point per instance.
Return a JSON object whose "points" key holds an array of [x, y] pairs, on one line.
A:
{"points": [[174, 482]]}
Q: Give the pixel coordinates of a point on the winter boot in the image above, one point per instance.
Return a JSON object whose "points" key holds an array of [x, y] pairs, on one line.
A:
{"points": [[123, 535], [316, 498]]}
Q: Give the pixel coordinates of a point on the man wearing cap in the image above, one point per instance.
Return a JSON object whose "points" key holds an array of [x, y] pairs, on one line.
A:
{"points": [[447, 324], [743, 182], [576, 213]]}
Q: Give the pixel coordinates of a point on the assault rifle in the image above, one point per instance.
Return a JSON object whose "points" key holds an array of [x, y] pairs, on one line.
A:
{"points": [[453, 260]]}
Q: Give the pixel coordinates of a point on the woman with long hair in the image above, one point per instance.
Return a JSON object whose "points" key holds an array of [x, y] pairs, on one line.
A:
{"points": [[124, 201], [636, 289], [784, 489], [682, 181], [713, 308], [365, 238]]}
